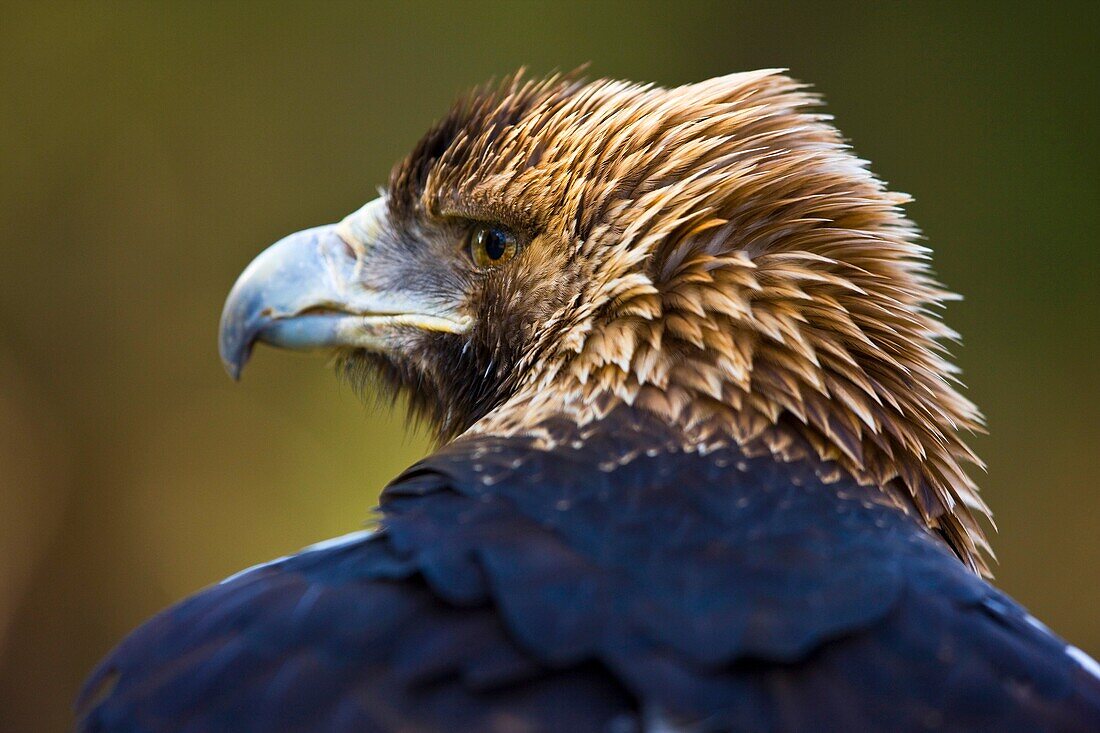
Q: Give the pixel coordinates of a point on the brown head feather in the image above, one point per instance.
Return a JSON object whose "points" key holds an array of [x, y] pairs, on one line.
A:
{"points": [[716, 255]]}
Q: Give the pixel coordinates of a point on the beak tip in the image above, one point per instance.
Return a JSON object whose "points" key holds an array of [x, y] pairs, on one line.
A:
{"points": [[235, 345], [233, 370], [234, 364]]}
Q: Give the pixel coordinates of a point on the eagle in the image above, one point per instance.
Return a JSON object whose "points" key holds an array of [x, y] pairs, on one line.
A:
{"points": [[701, 461]]}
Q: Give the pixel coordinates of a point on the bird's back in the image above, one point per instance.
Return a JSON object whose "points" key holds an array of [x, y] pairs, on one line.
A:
{"points": [[606, 580]]}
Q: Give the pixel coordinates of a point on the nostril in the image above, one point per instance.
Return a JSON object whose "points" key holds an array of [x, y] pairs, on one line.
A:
{"points": [[321, 310]]}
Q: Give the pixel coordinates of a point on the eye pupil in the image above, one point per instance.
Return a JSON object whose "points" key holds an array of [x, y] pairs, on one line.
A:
{"points": [[495, 243], [491, 245]]}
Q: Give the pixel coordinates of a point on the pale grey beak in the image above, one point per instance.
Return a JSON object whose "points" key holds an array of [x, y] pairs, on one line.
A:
{"points": [[305, 292]]}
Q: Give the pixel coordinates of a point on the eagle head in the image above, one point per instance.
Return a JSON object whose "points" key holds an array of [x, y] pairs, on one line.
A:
{"points": [[712, 254]]}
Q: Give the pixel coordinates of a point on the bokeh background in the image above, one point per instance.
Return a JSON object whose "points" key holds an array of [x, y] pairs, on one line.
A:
{"points": [[148, 151]]}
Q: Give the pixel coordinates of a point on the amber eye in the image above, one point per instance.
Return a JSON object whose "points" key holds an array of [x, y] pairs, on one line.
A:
{"points": [[491, 245]]}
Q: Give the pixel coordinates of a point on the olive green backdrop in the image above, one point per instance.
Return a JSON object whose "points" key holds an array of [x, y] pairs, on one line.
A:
{"points": [[148, 151]]}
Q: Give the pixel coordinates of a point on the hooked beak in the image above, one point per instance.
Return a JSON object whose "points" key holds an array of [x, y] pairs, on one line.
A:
{"points": [[306, 292]]}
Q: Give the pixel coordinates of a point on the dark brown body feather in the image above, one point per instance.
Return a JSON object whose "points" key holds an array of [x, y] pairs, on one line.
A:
{"points": [[610, 583]]}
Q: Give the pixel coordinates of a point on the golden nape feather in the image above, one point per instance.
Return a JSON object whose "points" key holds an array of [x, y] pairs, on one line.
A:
{"points": [[738, 271]]}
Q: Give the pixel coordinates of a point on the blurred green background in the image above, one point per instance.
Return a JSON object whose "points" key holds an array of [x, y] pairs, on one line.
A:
{"points": [[148, 151]]}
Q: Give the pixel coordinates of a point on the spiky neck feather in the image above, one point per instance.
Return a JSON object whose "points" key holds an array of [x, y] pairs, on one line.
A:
{"points": [[734, 270]]}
